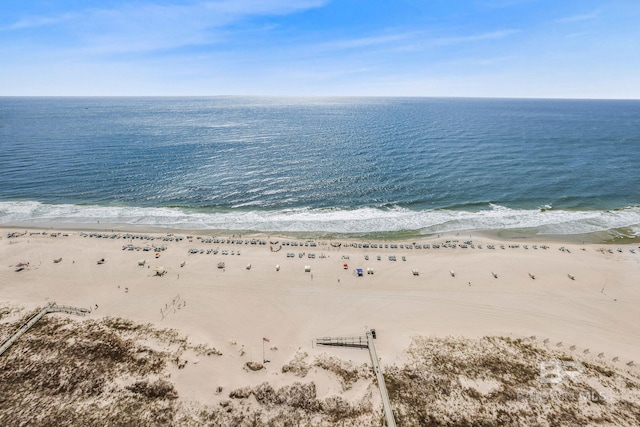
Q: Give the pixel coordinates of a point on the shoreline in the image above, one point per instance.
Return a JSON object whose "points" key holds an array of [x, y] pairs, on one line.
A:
{"points": [[604, 225], [609, 237]]}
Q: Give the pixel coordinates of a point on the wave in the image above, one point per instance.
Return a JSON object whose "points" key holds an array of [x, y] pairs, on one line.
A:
{"points": [[339, 221]]}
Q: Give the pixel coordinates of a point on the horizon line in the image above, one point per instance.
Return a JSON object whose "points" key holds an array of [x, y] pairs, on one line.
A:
{"points": [[333, 96]]}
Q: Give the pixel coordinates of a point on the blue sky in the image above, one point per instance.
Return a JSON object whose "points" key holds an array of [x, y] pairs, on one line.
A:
{"points": [[487, 48]]}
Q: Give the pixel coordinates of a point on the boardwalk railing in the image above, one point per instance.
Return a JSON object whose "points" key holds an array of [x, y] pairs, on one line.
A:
{"points": [[78, 311], [357, 342], [52, 307]]}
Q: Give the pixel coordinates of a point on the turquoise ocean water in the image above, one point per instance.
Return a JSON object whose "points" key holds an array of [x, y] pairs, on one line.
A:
{"points": [[323, 165]]}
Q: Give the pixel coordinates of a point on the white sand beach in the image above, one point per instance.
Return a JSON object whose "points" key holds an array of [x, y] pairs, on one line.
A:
{"points": [[583, 297]]}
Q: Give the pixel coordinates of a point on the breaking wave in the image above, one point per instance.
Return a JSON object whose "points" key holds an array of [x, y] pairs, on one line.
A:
{"points": [[342, 221]]}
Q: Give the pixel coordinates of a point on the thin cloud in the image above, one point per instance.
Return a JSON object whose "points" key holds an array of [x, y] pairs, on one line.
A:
{"points": [[578, 18], [37, 21], [259, 7], [494, 35], [367, 41], [153, 26]]}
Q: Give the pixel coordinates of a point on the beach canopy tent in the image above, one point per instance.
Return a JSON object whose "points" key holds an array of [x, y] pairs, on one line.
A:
{"points": [[345, 266], [359, 271], [307, 268]]}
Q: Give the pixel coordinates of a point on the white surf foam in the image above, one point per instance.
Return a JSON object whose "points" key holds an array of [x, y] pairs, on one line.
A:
{"points": [[362, 220]]}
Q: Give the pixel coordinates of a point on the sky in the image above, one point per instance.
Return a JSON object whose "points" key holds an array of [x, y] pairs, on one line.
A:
{"points": [[465, 48]]}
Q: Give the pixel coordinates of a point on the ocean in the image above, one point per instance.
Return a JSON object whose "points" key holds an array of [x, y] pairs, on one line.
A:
{"points": [[324, 166]]}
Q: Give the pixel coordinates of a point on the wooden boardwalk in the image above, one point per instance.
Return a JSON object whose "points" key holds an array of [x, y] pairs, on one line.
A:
{"points": [[366, 342], [52, 307], [386, 403]]}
